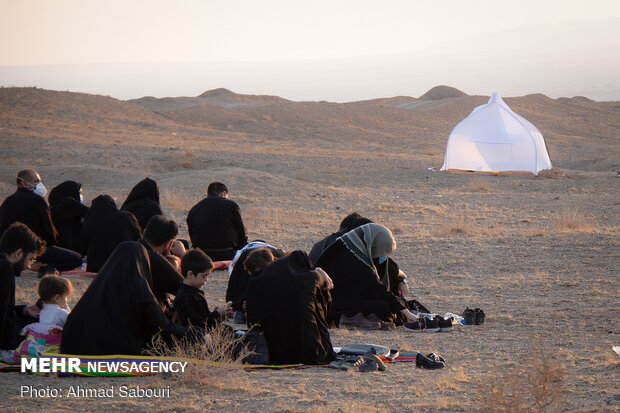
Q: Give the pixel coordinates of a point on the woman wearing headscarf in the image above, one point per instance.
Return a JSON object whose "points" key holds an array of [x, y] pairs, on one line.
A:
{"points": [[143, 201], [288, 301], [118, 313], [104, 228], [351, 221], [68, 214], [359, 288]]}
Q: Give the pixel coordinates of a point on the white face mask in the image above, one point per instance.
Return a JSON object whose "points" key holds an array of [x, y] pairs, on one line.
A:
{"points": [[40, 189], [81, 198]]}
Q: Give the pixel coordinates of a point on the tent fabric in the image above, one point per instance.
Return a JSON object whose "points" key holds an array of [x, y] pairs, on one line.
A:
{"points": [[494, 138]]}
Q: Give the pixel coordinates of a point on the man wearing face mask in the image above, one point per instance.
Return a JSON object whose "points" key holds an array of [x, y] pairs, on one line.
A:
{"points": [[27, 206], [18, 247]]}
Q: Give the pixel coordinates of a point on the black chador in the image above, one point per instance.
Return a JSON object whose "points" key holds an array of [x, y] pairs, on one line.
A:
{"points": [[104, 228], [68, 213], [287, 303], [166, 279], [143, 201], [118, 313]]}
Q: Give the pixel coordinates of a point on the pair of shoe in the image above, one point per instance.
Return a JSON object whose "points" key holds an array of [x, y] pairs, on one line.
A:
{"points": [[430, 361], [473, 317], [368, 362], [358, 321], [430, 325]]}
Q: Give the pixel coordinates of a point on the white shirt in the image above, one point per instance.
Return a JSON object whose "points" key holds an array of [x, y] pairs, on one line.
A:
{"points": [[52, 314]]}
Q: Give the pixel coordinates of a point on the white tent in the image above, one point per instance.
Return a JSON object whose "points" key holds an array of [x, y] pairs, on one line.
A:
{"points": [[494, 138]]}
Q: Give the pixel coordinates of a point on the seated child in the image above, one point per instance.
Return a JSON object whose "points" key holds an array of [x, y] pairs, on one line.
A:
{"points": [[190, 305], [53, 293], [45, 335], [257, 260]]}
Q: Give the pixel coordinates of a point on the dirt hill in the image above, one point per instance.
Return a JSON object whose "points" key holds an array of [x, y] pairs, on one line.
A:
{"points": [[533, 252]]}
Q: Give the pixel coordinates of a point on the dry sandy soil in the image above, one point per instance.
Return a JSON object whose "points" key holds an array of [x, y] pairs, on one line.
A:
{"points": [[539, 254]]}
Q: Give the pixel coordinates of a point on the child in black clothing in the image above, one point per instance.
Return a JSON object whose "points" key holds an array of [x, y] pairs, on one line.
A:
{"points": [[190, 304]]}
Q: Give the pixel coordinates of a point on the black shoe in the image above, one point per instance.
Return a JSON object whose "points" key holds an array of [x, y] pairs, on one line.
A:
{"points": [[445, 324], [423, 362], [423, 324], [470, 316], [479, 316], [435, 357]]}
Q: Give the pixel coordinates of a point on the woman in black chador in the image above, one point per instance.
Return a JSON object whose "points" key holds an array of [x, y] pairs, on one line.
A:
{"points": [[143, 201], [104, 228], [288, 300], [68, 213], [357, 263], [118, 313]]}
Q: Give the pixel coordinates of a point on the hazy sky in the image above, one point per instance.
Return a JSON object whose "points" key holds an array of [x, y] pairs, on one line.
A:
{"points": [[312, 50]]}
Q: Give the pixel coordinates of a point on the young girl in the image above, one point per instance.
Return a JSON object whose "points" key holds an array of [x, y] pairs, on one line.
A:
{"points": [[53, 293], [45, 336]]}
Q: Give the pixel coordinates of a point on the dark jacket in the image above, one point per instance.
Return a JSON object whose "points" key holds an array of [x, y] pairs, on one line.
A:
{"points": [[104, 228], [68, 213], [8, 316], [29, 208], [118, 313], [143, 201], [215, 223], [192, 308], [166, 280]]}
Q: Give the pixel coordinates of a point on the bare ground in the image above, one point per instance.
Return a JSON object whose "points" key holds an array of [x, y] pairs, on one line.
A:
{"points": [[540, 254]]}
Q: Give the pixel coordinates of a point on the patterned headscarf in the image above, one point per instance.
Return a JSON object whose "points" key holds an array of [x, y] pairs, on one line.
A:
{"points": [[369, 241]]}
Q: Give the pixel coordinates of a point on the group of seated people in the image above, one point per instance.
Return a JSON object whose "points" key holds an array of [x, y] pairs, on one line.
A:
{"points": [[347, 280]]}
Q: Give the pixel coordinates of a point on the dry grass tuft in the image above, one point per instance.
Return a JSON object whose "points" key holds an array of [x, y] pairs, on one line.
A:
{"points": [[455, 225], [210, 365], [537, 388], [571, 220], [180, 199], [478, 185]]}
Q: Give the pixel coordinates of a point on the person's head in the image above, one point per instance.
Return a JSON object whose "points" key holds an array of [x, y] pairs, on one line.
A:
{"points": [[257, 260], [352, 221], [146, 188], [217, 189], [196, 267], [31, 180], [71, 189], [21, 246], [160, 233], [346, 222], [54, 290]]}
